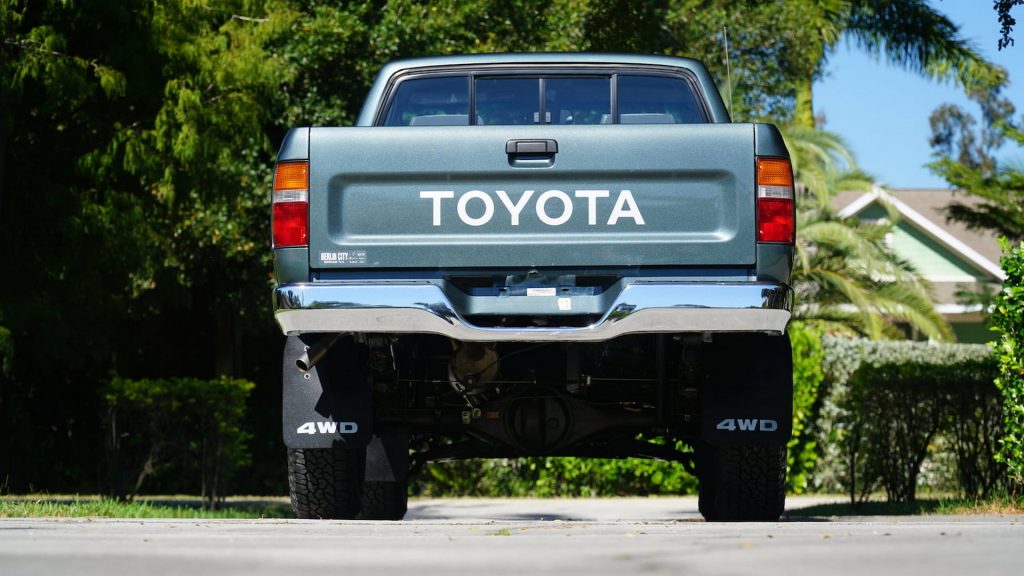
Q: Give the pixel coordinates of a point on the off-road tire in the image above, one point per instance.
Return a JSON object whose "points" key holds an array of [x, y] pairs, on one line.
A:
{"points": [[325, 483], [384, 500], [742, 483]]}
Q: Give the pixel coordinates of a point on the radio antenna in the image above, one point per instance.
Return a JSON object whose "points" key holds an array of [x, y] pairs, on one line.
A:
{"points": [[728, 72]]}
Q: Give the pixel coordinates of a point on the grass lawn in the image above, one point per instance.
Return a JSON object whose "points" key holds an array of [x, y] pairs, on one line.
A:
{"points": [[253, 507], [154, 507], [942, 506]]}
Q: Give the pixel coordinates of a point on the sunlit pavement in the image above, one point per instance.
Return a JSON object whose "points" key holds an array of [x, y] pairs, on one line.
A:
{"points": [[488, 537]]}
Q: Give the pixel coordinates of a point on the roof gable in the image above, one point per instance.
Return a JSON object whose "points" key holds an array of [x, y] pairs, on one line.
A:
{"points": [[924, 212]]}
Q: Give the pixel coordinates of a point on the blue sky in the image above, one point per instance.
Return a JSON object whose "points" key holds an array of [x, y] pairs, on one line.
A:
{"points": [[882, 111]]}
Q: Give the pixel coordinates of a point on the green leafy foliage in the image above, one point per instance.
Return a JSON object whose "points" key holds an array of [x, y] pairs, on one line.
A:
{"points": [[6, 351], [176, 428], [1006, 20], [555, 477], [901, 408], [1008, 322], [998, 189], [808, 375], [892, 406], [846, 278], [135, 143]]}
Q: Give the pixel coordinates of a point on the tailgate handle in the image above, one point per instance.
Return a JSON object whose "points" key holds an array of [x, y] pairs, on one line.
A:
{"points": [[516, 147]]}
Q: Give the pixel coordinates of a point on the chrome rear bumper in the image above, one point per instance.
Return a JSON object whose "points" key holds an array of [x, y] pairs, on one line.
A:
{"points": [[639, 307]]}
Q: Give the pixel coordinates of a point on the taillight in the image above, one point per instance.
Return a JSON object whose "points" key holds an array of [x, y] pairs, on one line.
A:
{"points": [[290, 219], [776, 213]]}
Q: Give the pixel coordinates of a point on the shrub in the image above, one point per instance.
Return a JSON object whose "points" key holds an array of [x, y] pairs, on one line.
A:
{"points": [[901, 408], [546, 477], [808, 355], [6, 351], [191, 428], [894, 405], [1008, 322]]}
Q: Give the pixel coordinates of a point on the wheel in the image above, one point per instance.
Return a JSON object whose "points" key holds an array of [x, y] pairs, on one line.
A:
{"points": [[384, 500], [325, 483], [742, 483]]}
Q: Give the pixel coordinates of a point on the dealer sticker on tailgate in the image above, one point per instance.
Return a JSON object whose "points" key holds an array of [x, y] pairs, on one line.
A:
{"points": [[350, 257]]}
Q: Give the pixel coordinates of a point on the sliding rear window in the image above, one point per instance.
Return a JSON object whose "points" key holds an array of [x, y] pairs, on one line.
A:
{"points": [[517, 99]]}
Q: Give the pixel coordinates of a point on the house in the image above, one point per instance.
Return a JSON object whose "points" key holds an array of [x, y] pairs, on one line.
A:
{"points": [[947, 254]]}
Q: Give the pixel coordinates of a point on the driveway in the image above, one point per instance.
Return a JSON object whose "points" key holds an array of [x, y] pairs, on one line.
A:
{"points": [[496, 537]]}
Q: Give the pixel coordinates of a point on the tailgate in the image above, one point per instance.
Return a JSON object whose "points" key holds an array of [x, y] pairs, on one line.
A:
{"points": [[616, 195]]}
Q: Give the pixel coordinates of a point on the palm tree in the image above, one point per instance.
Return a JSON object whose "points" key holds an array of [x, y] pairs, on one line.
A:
{"points": [[908, 33], [845, 276]]}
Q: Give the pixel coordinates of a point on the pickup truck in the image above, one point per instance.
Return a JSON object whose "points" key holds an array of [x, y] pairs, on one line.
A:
{"points": [[535, 255]]}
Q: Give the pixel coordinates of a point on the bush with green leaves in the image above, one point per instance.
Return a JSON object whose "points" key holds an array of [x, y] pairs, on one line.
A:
{"points": [[1008, 321], [894, 406], [808, 375], [6, 350], [187, 433], [555, 477], [908, 411]]}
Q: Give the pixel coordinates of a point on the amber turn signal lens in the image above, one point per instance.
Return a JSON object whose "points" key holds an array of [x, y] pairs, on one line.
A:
{"points": [[774, 172], [291, 176]]}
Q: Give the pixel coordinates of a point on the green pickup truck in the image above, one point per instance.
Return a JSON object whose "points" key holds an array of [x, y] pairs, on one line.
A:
{"points": [[535, 255]]}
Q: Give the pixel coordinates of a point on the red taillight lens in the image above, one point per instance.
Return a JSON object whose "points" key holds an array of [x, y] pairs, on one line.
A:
{"points": [[776, 212], [291, 224], [290, 218], [775, 220]]}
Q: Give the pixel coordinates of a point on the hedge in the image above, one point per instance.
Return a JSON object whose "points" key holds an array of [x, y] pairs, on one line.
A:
{"points": [[183, 432], [1008, 322], [894, 406], [808, 374]]}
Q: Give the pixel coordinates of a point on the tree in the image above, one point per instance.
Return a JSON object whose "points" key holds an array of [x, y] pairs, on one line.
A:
{"points": [[1000, 188], [909, 33], [68, 241], [1006, 21], [965, 157], [846, 278]]}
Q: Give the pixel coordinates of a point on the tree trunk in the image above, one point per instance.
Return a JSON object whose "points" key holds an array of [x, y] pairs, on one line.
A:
{"points": [[803, 117]]}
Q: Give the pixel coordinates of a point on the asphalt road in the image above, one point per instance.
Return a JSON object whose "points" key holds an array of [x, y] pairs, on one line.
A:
{"points": [[489, 537]]}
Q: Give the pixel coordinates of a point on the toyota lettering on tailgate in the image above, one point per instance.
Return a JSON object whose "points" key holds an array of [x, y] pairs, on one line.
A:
{"points": [[553, 207]]}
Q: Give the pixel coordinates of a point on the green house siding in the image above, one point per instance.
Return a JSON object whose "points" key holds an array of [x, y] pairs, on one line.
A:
{"points": [[972, 332], [929, 257], [934, 260]]}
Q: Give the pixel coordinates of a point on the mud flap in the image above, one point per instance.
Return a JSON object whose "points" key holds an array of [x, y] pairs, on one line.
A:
{"points": [[387, 459], [331, 405], [748, 395]]}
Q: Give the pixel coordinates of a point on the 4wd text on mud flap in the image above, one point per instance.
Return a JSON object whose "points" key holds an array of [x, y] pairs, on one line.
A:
{"points": [[328, 428], [747, 425]]}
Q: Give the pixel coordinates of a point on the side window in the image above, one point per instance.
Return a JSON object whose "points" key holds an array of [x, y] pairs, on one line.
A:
{"points": [[657, 100], [507, 101], [439, 101], [577, 100]]}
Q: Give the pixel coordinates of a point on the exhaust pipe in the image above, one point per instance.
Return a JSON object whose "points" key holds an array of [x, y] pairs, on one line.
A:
{"points": [[313, 354]]}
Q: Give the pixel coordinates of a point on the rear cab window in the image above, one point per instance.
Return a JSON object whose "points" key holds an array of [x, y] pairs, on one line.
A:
{"points": [[532, 97]]}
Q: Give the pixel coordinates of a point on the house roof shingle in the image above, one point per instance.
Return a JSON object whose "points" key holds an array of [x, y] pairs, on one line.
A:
{"points": [[931, 204]]}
